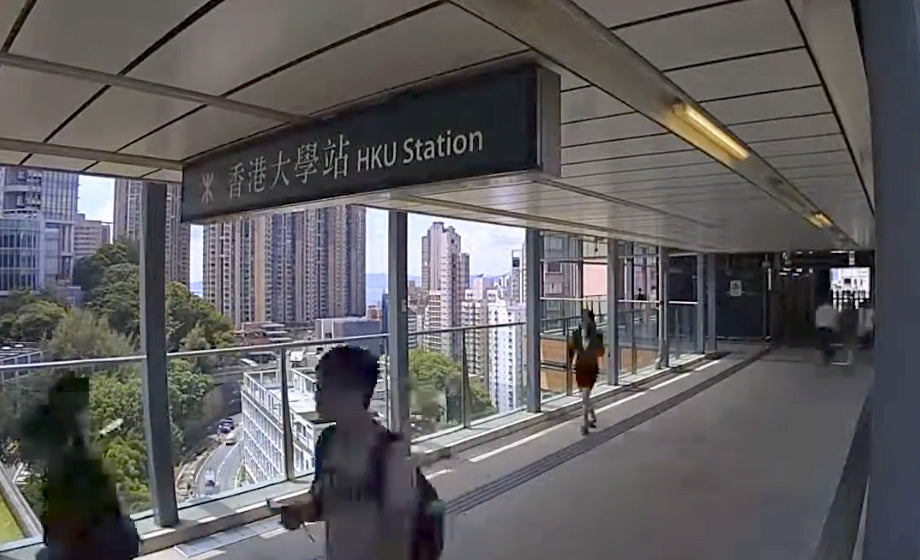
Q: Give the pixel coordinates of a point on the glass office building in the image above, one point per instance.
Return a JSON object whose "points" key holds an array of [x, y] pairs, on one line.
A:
{"points": [[53, 195], [21, 253]]}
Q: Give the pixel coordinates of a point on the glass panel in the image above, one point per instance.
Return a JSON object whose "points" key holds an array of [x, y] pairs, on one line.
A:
{"points": [[499, 386], [226, 416], [116, 433], [638, 338], [435, 386]]}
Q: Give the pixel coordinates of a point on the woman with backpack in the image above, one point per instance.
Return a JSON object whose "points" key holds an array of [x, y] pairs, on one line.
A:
{"points": [[376, 504]]}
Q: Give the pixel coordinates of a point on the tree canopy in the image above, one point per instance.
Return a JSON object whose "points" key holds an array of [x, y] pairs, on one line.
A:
{"points": [[435, 381], [108, 325]]}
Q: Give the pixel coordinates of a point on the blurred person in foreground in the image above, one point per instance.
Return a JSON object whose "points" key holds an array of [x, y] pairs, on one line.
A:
{"points": [[584, 349], [80, 515], [375, 502]]}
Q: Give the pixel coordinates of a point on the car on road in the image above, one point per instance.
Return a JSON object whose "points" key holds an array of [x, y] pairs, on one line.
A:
{"points": [[226, 425], [211, 486], [230, 439]]}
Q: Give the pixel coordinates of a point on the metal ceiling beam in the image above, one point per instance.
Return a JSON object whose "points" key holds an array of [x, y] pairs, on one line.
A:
{"points": [[564, 33], [59, 150], [114, 80]]}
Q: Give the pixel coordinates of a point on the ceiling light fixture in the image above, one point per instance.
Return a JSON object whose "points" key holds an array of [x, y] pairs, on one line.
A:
{"points": [[820, 220], [711, 130]]}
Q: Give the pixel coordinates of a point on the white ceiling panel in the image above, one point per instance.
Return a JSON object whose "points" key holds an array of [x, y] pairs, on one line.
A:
{"points": [[197, 133], [214, 56], [34, 104], [104, 35], [9, 12], [722, 178], [532, 191], [775, 105], [377, 62], [836, 184], [120, 170], [589, 103], [662, 143], [796, 127], [11, 158], [618, 12], [55, 162], [704, 169], [715, 190], [787, 69], [805, 160], [794, 175], [650, 188], [656, 161], [166, 175], [570, 81], [798, 146], [725, 31], [119, 117], [609, 128]]}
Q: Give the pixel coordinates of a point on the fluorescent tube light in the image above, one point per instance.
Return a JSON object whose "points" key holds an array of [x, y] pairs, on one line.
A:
{"points": [[712, 131]]}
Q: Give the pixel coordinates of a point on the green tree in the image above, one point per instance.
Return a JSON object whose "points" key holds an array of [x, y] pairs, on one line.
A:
{"points": [[431, 375], [34, 322], [117, 298], [188, 312], [82, 334], [89, 271]]}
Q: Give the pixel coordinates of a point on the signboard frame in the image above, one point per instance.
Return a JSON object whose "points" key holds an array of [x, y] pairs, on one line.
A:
{"points": [[503, 121]]}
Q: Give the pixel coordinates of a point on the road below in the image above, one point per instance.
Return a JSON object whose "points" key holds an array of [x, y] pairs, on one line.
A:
{"points": [[224, 462]]}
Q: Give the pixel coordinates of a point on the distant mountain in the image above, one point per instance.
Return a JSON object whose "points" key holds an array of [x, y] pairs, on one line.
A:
{"points": [[376, 286]]}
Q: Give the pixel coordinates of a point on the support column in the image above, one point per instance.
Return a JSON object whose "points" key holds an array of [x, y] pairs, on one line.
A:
{"points": [[700, 339], [154, 384], [287, 430], [664, 346], [614, 293], [398, 323], [533, 272], [891, 50], [710, 303]]}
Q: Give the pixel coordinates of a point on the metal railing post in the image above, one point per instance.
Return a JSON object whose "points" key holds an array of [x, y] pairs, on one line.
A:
{"points": [[466, 400], [664, 346], [700, 338], [287, 430], [568, 365]]}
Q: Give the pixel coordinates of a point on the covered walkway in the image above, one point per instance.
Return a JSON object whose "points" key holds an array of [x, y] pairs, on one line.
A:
{"points": [[738, 458]]}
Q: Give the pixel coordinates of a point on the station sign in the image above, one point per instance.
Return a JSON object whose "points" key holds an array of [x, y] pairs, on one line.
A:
{"points": [[501, 122]]}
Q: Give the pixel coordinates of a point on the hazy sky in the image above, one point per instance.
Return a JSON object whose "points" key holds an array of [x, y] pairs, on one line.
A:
{"points": [[489, 246]]}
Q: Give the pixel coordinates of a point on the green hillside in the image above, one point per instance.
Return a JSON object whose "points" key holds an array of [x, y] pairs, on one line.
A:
{"points": [[9, 530]]}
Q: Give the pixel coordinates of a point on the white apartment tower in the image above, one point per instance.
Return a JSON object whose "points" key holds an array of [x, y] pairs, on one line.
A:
{"points": [[445, 278], [506, 355]]}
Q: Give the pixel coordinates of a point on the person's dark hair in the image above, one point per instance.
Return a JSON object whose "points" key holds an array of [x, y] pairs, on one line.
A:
{"points": [[352, 367], [590, 314]]}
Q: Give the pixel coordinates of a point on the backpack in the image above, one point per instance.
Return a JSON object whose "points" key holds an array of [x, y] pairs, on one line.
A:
{"points": [[428, 540]]}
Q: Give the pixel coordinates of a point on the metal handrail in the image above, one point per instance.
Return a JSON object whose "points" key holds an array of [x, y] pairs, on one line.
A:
{"points": [[123, 360]]}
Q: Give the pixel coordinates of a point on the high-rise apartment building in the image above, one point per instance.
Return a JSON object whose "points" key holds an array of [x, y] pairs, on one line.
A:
{"points": [[476, 341], [292, 268], [237, 268], [53, 196], [506, 353], [89, 236], [127, 225], [445, 278]]}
